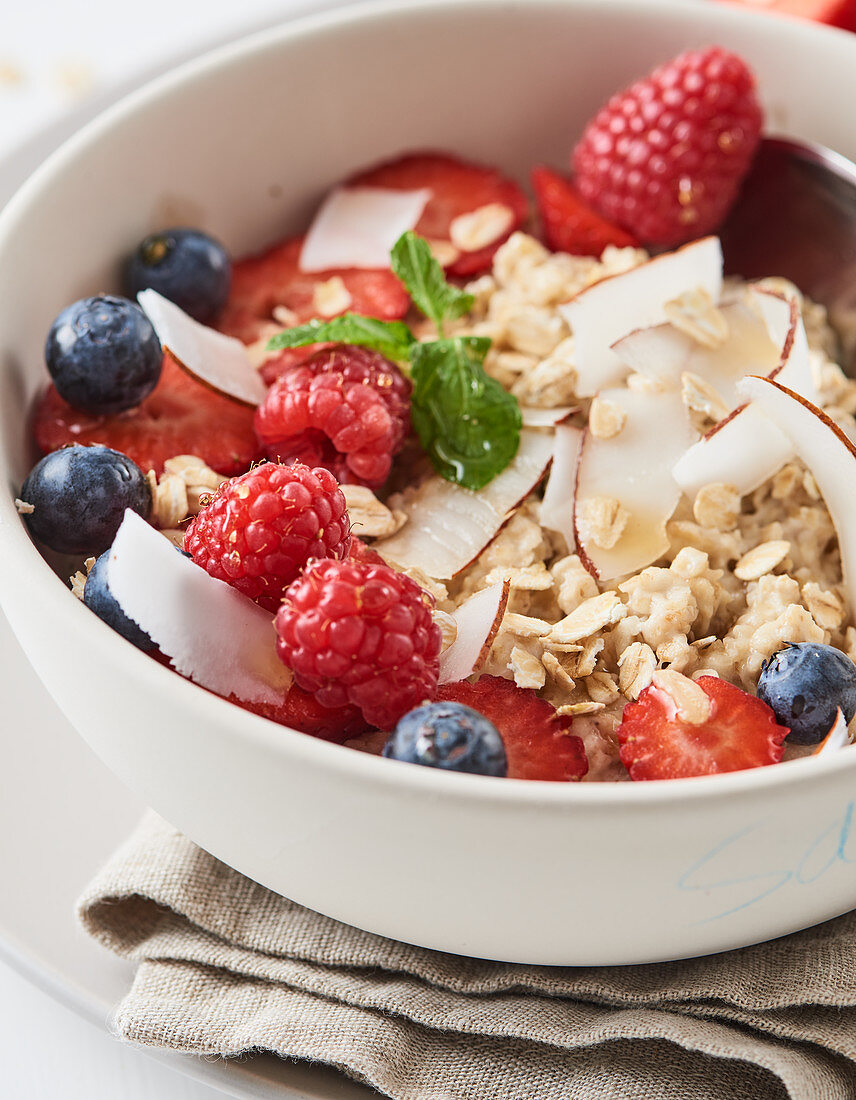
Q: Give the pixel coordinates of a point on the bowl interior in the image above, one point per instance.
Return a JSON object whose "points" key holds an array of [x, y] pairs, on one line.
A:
{"points": [[245, 141]]}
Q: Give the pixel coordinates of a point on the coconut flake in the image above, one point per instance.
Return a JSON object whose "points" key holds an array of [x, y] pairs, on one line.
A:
{"points": [[449, 526], [744, 451], [784, 323], [664, 353], [218, 361], [477, 619], [633, 471], [546, 418], [747, 448], [557, 507], [610, 309], [837, 738], [211, 632], [827, 452], [357, 227]]}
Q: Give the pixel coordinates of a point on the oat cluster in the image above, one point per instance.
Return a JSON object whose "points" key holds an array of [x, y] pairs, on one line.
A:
{"points": [[742, 576]]}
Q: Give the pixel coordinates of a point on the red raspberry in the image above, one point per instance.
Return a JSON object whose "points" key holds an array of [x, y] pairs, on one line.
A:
{"points": [[359, 633], [261, 529], [665, 157], [345, 408]]}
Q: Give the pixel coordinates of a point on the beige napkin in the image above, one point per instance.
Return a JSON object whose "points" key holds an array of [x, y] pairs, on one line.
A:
{"points": [[228, 967]]}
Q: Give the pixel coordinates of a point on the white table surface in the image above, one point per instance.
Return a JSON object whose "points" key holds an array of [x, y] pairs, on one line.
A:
{"points": [[57, 60]]}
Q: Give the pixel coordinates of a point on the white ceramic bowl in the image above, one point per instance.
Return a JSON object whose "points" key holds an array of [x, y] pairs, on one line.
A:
{"points": [[243, 143]]}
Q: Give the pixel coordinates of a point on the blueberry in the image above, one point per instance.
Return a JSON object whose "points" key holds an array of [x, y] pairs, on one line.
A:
{"points": [[186, 266], [79, 496], [804, 684], [448, 736], [103, 355], [98, 598]]}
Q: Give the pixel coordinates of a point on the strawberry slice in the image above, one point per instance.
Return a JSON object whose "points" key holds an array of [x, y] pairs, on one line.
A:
{"points": [[274, 278], [303, 712], [180, 416], [837, 13], [568, 223], [538, 742], [459, 187], [741, 732]]}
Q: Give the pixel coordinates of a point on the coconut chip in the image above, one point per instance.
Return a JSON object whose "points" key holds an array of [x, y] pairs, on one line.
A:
{"points": [[369, 517]]}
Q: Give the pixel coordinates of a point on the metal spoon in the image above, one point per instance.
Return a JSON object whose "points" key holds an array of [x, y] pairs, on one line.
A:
{"points": [[796, 216]]}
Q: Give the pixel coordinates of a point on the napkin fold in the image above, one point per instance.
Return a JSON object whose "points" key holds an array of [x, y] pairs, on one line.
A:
{"points": [[227, 967]]}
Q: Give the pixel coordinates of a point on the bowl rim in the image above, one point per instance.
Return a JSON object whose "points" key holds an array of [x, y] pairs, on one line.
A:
{"points": [[250, 731]]}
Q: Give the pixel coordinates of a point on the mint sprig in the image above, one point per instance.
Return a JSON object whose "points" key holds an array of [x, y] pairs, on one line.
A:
{"points": [[414, 263], [392, 339], [467, 422]]}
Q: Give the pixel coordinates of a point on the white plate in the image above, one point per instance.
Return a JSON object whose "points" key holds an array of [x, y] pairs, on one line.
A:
{"points": [[67, 813]]}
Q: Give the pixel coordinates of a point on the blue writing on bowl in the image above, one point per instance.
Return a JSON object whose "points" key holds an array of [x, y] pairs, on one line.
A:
{"points": [[831, 846]]}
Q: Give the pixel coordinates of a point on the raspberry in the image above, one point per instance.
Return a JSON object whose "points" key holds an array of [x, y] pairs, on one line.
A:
{"points": [[180, 416], [261, 529], [344, 408], [664, 158], [354, 632]]}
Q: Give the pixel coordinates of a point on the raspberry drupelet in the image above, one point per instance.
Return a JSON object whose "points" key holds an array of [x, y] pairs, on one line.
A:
{"points": [[664, 158], [360, 633], [344, 408], [261, 528]]}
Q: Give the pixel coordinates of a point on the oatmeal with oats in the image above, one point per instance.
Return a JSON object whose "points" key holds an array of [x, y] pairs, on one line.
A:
{"points": [[743, 574], [557, 511]]}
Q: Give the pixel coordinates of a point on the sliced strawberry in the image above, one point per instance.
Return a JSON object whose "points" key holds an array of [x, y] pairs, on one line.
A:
{"points": [[274, 278], [302, 711], [568, 223], [741, 732], [837, 13], [538, 742], [180, 416], [458, 187]]}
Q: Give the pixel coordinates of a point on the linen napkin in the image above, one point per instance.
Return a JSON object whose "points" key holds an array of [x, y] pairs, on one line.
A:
{"points": [[227, 967]]}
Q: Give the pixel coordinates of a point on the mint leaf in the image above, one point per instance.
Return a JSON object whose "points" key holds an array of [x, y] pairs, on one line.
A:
{"points": [[465, 420], [392, 339], [426, 284]]}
